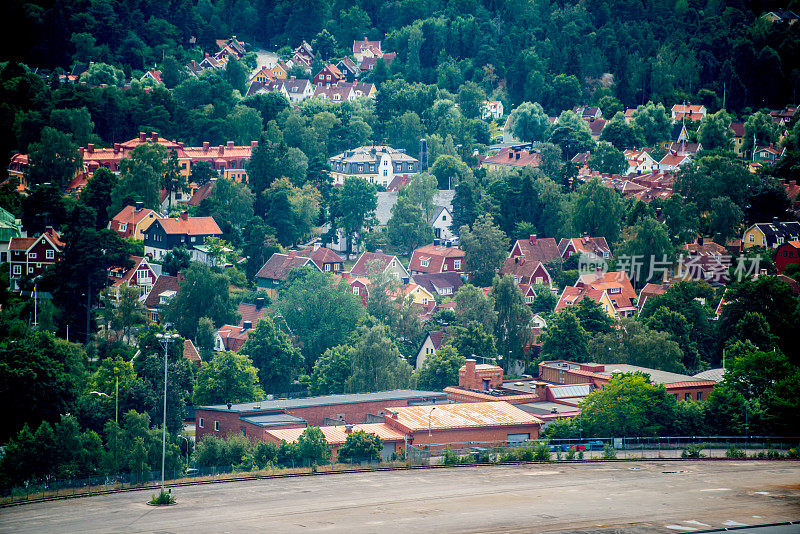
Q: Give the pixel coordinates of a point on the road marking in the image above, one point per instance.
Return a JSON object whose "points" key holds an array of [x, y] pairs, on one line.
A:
{"points": [[716, 489], [680, 527], [730, 523], [698, 523], [761, 492], [757, 516]]}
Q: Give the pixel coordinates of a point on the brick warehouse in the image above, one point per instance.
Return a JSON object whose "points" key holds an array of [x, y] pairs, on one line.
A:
{"points": [[254, 418]]}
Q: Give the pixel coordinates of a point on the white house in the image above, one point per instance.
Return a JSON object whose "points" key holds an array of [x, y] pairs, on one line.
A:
{"points": [[492, 109], [639, 162], [441, 224], [432, 342]]}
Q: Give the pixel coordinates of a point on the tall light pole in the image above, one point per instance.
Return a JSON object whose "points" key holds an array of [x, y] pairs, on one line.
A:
{"points": [[429, 431], [165, 340]]}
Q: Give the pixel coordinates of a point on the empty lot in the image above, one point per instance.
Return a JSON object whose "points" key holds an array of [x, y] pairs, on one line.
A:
{"points": [[629, 496]]}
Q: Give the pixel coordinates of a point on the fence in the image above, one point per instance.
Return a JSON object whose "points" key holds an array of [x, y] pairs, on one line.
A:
{"points": [[439, 453], [623, 448]]}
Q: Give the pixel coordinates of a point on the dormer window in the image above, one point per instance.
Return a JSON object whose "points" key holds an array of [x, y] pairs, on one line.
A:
{"points": [[424, 262]]}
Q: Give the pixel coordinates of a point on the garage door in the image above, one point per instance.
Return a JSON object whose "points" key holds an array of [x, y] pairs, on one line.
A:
{"points": [[518, 439]]}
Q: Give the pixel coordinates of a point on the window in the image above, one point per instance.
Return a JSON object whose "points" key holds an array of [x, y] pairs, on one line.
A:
{"points": [[32, 256], [751, 238], [327, 266], [444, 217], [699, 395], [424, 301], [216, 426], [424, 262], [457, 264], [355, 290], [614, 290], [201, 423], [30, 270], [539, 280], [688, 396], [243, 429], [529, 299], [50, 254], [17, 269], [154, 316], [336, 267]]}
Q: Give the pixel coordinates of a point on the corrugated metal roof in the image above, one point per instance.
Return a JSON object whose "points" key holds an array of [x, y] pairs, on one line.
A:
{"points": [[337, 434], [463, 415], [326, 400], [712, 374], [580, 390], [546, 407], [658, 377]]}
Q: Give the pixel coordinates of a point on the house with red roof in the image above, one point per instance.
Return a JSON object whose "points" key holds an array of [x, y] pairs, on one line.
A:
{"points": [[154, 75], [141, 275], [787, 254], [588, 112], [639, 162], [324, 258], [232, 337], [368, 63], [671, 162], [651, 291], [536, 249], [303, 55], [278, 267], [769, 153], [492, 109], [190, 232], [329, 75], [512, 158], [526, 272], [28, 257], [132, 221], [443, 284], [612, 290], [689, 112], [365, 48], [592, 247], [436, 258], [383, 262], [164, 288], [335, 93], [190, 353], [595, 126]]}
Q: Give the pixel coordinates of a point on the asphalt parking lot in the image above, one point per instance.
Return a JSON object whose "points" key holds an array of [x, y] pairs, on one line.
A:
{"points": [[629, 497]]}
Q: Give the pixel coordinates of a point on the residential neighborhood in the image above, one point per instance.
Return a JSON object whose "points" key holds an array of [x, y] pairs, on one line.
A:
{"points": [[382, 235]]}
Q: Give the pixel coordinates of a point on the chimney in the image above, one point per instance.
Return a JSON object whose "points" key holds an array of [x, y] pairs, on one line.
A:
{"points": [[247, 325], [448, 244], [229, 405], [230, 144], [291, 253], [185, 215], [80, 150], [437, 242], [316, 246], [49, 230], [205, 146], [139, 205], [154, 135], [379, 251], [532, 239], [253, 144], [348, 428], [291, 78], [259, 303], [700, 241], [142, 137], [116, 148], [516, 259], [180, 144], [221, 149], [90, 148], [775, 220]]}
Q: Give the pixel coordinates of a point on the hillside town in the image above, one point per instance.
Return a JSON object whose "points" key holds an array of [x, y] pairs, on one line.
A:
{"points": [[222, 251]]}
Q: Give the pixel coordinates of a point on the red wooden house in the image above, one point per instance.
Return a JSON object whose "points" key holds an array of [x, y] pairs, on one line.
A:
{"points": [[30, 256]]}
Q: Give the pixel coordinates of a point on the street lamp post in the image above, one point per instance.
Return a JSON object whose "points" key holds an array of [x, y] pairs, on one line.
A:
{"points": [[430, 412], [165, 340]]}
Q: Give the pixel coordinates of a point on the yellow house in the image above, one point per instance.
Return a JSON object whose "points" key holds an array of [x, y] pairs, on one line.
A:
{"points": [[280, 71], [770, 235], [418, 294], [263, 75]]}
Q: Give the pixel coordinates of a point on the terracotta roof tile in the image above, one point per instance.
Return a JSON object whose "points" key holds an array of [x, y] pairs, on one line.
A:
{"points": [[278, 266]]}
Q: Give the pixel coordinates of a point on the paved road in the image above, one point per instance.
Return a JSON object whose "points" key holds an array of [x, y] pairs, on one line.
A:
{"points": [[630, 497]]}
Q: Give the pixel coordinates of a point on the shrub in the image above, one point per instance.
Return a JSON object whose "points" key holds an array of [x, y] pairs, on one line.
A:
{"points": [[693, 451], [609, 452], [450, 458], [734, 453], [792, 453], [541, 453], [526, 455], [571, 454], [580, 455], [772, 454], [162, 498]]}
